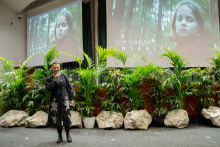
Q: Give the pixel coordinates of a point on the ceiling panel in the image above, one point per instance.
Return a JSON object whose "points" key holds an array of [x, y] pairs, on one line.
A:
{"points": [[16, 5]]}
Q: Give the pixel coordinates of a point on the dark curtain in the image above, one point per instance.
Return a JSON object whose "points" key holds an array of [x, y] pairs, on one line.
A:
{"points": [[87, 40], [102, 29]]}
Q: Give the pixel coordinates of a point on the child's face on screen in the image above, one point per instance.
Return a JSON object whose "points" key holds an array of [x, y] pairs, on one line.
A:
{"points": [[186, 24], [62, 28]]}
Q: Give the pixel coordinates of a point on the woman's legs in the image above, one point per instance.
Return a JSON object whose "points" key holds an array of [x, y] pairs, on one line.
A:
{"points": [[60, 138], [67, 129]]}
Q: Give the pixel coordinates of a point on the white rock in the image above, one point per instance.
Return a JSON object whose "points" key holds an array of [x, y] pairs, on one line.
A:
{"points": [[13, 118], [137, 119], [177, 117], [213, 113], [76, 119], [38, 119], [107, 120]]}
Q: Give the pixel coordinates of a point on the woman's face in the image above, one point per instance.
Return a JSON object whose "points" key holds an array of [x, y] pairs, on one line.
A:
{"points": [[186, 24], [62, 28], [56, 69]]}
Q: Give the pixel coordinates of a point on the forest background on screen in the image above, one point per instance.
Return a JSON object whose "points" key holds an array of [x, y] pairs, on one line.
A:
{"points": [[40, 30]]}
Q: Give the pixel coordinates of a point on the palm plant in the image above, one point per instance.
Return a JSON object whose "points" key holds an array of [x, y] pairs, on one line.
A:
{"points": [[133, 91], [114, 92], [87, 85], [176, 78], [69, 73], [118, 54], [35, 100], [204, 87], [40, 75], [103, 54], [215, 61], [7, 66], [159, 91], [40, 92], [15, 84]]}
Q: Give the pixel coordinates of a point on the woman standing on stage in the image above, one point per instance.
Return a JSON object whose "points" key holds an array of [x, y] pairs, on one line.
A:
{"points": [[60, 99]]}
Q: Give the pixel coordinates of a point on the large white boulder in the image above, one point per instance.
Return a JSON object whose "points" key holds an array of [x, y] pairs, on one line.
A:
{"points": [[137, 119], [107, 120], [13, 118], [177, 117], [76, 119], [38, 119], [213, 113]]}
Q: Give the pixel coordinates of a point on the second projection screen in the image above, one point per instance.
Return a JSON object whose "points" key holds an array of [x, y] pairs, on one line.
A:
{"points": [[147, 26]]}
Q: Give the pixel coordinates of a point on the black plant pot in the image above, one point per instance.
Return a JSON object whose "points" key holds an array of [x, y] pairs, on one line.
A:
{"points": [[159, 122], [207, 122]]}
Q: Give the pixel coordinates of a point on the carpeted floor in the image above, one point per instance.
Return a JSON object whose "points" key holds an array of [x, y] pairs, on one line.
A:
{"points": [[194, 135]]}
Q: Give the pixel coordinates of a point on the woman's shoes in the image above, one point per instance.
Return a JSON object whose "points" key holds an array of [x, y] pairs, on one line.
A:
{"points": [[60, 139], [69, 139]]}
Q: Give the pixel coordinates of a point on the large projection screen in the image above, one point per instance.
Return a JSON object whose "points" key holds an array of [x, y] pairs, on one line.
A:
{"points": [[147, 26], [62, 27]]}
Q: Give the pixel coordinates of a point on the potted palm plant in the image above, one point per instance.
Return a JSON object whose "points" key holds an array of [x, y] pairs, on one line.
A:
{"points": [[38, 97], [87, 88], [134, 93], [177, 78], [177, 83], [114, 93], [111, 116], [215, 62], [14, 84], [159, 93], [205, 85]]}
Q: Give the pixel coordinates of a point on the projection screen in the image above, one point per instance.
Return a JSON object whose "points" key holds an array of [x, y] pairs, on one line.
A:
{"points": [[62, 27], [146, 26]]}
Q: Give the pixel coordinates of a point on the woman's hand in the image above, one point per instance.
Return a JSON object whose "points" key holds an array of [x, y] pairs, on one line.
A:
{"points": [[72, 102], [56, 77]]}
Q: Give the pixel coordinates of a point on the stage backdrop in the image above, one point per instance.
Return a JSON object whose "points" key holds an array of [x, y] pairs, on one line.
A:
{"points": [[147, 26], [62, 27]]}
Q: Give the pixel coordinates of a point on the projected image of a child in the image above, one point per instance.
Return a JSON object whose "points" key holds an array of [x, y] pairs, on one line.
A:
{"points": [[64, 31], [190, 30]]}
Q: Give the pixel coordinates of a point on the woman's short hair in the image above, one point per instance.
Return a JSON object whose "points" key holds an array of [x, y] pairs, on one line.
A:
{"points": [[71, 24], [204, 32], [55, 64]]}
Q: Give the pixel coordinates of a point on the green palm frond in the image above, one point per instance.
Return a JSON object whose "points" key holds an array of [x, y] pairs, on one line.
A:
{"points": [[119, 54], [89, 60], [103, 54], [215, 60], [7, 66], [77, 59], [175, 58], [26, 61], [50, 56]]}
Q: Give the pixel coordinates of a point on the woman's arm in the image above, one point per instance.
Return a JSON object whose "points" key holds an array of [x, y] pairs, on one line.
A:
{"points": [[50, 84], [69, 89]]}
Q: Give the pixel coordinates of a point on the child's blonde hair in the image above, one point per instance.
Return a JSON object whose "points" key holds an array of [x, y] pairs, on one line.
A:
{"points": [[203, 33], [69, 20]]}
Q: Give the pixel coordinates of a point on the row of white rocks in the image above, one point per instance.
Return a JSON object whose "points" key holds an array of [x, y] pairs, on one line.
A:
{"points": [[39, 119], [140, 119]]}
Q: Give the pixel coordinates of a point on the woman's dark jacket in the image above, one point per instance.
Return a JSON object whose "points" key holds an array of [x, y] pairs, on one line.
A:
{"points": [[61, 95]]}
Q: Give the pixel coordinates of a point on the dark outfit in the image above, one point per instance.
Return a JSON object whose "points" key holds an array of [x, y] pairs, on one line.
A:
{"points": [[62, 93]]}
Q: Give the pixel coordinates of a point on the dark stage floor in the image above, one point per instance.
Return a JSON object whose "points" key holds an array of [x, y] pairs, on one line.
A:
{"points": [[194, 135]]}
